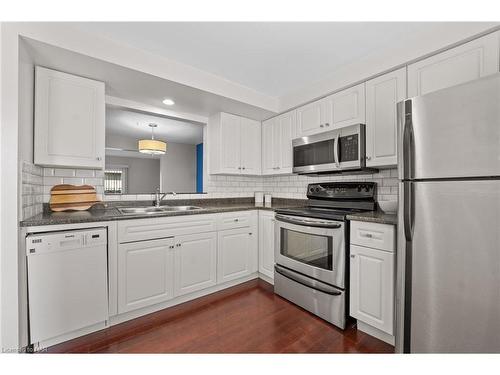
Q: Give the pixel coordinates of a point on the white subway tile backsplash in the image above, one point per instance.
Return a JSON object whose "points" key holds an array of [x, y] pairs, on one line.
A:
{"points": [[64, 172], [84, 173]]}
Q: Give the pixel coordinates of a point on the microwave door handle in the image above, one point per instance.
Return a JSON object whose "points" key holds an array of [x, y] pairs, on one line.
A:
{"points": [[336, 152]]}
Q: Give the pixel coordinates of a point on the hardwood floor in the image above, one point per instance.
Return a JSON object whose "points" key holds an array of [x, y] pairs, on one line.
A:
{"points": [[248, 318]]}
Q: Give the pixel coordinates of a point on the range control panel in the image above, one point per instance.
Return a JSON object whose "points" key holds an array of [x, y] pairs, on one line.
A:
{"points": [[342, 190]]}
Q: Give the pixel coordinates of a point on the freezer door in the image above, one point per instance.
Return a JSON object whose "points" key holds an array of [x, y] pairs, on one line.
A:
{"points": [[455, 272], [451, 133]]}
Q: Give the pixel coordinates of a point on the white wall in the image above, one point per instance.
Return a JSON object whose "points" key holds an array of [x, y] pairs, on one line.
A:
{"points": [[178, 168], [143, 174]]}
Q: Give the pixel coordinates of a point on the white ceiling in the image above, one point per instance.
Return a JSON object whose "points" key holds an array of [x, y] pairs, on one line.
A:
{"points": [[132, 124], [130, 84], [273, 58]]}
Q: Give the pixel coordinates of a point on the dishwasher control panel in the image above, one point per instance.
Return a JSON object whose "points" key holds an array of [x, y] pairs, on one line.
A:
{"points": [[65, 240]]}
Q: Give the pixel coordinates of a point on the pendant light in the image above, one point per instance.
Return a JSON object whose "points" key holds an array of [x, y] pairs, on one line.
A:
{"points": [[152, 146]]}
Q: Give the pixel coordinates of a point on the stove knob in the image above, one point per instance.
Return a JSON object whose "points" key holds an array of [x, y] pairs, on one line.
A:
{"points": [[367, 189], [359, 188], [317, 190], [311, 189]]}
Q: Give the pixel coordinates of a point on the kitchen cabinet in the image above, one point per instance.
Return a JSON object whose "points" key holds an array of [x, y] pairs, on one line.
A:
{"points": [[237, 254], [195, 262], [145, 273], [234, 145], [469, 61], [382, 94], [266, 243], [69, 120], [277, 136], [311, 118], [344, 108], [372, 253]]}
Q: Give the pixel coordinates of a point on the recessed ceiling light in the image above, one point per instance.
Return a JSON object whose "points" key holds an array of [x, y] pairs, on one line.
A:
{"points": [[168, 102]]}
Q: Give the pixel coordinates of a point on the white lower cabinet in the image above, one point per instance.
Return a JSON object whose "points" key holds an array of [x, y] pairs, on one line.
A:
{"points": [[372, 272], [372, 287], [237, 254], [195, 262], [266, 243], [145, 273]]}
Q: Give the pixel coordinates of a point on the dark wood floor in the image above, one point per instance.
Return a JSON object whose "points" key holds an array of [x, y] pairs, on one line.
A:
{"points": [[248, 318]]}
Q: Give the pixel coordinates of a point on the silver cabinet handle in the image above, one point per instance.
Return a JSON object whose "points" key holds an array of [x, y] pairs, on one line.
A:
{"points": [[250, 233], [243, 168], [327, 124], [236, 219], [239, 167], [367, 235], [353, 256], [178, 245], [368, 158], [321, 126], [99, 158]]}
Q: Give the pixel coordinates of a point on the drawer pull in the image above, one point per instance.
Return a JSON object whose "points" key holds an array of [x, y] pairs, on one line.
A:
{"points": [[236, 220]]}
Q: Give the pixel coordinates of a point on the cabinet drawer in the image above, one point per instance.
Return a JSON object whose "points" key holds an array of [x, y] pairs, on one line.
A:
{"points": [[148, 229], [374, 235], [234, 220]]}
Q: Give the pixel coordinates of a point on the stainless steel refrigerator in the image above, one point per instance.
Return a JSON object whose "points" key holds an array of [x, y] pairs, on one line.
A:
{"points": [[449, 223]]}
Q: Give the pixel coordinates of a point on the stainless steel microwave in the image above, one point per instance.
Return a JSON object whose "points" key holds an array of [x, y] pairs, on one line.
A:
{"points": [[336, 151]]}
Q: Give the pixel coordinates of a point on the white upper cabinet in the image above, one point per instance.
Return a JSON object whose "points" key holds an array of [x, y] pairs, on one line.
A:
{"points": [[234, 145], [277, 136], [464, 63], [69, 120], [382, 94], [346, 107], [343, 108], [250, 146], [311, 118]]}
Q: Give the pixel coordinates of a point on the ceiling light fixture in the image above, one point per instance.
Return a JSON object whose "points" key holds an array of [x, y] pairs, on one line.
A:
{"points": [[152, 146], [168, 101]]}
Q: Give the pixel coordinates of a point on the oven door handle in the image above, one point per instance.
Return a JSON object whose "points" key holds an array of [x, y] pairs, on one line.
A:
{"points": [[308, 282], [309, 223]]}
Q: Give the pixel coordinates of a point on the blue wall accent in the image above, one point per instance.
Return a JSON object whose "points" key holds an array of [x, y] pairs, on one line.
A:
{"points": [[199, 168]]}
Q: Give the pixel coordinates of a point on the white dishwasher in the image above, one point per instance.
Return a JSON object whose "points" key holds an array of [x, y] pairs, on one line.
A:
{"points": [[67, 282]]}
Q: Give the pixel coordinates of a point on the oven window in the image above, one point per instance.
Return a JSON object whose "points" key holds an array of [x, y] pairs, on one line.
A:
{"points": [[307, 248], [314, 153]]}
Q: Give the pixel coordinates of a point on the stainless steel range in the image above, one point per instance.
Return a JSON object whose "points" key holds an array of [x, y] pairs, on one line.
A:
{"points": [[311, 247]]}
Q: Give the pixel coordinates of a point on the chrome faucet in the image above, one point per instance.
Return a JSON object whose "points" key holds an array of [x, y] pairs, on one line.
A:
{"points": [[159, 196]]}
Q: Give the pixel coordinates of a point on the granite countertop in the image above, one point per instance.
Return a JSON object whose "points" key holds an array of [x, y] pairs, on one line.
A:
{"points": [[375, 217], [111, 212]]}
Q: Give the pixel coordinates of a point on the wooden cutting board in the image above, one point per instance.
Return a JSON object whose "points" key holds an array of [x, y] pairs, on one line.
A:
{"points": [[65, 197]]}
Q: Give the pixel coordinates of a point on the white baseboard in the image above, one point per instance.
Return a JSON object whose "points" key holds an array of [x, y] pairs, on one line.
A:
{"points": [[266, 278], [377, 333]]}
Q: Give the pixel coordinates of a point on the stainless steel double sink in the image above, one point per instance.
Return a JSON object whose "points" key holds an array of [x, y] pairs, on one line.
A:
{"points": [[152, 210]]}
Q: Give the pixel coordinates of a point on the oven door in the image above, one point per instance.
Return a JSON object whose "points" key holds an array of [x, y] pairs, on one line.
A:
{"points": [[312, 247]]}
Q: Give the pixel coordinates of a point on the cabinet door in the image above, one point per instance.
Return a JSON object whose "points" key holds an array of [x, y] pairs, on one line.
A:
{"points": [[267, 147], [266, 243], [69, 120], [372, 287], [237, 254], [145, 273], [347, 107], [195, 262], [382, 94], [271, 156], [250, 144], [464, 63], [309, 118], [230, 134], [287, 128]]}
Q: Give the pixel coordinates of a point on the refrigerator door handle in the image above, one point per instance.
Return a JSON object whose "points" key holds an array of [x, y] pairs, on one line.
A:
{"points": [[407, 141], [408, 209]]}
